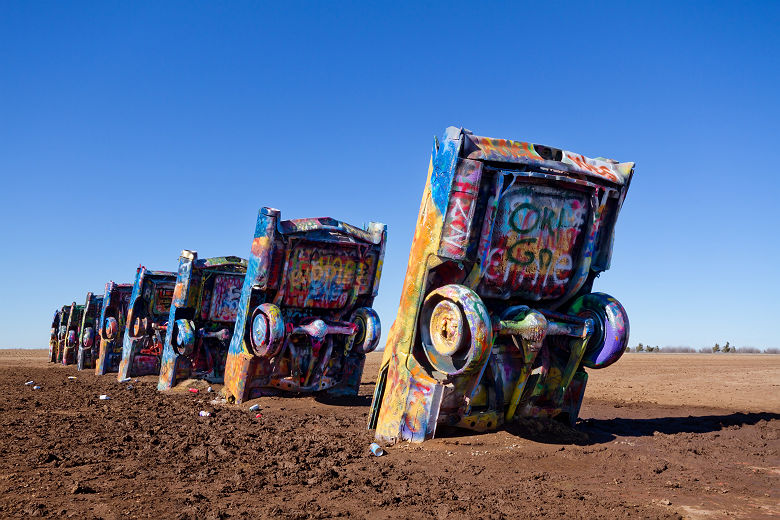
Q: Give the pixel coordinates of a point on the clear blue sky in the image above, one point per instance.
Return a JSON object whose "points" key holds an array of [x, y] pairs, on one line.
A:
{"points": [[131, 130]]}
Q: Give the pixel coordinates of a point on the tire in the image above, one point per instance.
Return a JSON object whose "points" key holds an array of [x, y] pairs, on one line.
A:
{"points": [[610, 335], [183, 337], [111, 328], [369, 329], [140, 326], [456, 330], [88, 338], [266, 330]]}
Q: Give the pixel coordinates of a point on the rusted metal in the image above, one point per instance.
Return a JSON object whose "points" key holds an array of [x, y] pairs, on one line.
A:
{"points": [[497, 319]]}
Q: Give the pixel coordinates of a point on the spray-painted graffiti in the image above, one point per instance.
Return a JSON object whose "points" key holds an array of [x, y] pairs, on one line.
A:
{"points": [[59, 334], [323, 277], [55, 325], [534, 242], [311, 330], [591, 165], [89, 345], [73, 330], [457, 224], [505, 242], [226, 295], [143, 341], [162, 299], [205, 302], [201, 318], [547, 158], [111, 328], [456, 228]]}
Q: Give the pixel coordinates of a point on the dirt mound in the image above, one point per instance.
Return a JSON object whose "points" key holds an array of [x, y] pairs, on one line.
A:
{"points": [[146, 454]]}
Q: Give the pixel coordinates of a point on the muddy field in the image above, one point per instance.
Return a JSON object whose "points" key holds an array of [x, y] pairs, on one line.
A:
{"points": [[662, 436]]}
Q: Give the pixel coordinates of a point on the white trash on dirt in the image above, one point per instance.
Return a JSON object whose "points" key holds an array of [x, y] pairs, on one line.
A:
{"points": [[204, 413], [209, 389], [255, 407], [72, 378], [125, 380], [104, 397], [30, 382], [36, 387], [376, 449]]}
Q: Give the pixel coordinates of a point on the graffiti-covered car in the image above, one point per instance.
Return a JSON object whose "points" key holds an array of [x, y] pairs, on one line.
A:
{"points": [[497, 319], [72, 331], [113, 317], [147, 316], [56, 323], [89, 345], [305, 321], [62, 332], [201, 319]]}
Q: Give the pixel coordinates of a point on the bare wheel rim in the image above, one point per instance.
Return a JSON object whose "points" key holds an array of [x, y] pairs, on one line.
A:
{"points": [[446, 328]]}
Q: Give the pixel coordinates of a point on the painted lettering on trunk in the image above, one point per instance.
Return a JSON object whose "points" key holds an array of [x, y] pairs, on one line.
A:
{"points": [[535, 241], [323, 278]]}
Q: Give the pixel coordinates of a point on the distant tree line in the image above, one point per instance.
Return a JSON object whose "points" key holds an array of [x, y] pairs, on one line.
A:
{"points": [[717, 348]]}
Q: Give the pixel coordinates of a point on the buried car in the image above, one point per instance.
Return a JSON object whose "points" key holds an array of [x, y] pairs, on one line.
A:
{"points": [[89, 345], [113, 317], [72, 330], [62, 332], [305, 321], [147, 316], [497, 319], [201, 318], [59, 320]]}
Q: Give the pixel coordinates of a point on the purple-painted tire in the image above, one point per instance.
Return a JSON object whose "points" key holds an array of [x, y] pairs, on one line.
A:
{"points": [[369, 329], [610, 335]]}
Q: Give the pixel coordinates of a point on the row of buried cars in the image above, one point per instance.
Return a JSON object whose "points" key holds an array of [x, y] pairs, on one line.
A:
{"points": [[497, 318], [302, 302]]}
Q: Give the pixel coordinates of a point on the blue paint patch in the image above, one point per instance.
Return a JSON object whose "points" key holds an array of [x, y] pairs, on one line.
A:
{"points": [[127, 344], [444, 168]]}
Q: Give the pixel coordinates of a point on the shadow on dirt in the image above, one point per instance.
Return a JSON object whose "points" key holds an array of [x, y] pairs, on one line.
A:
{"points": [[350, 400], [605, 430], [544, 431], [547, 431], [599, 431]]}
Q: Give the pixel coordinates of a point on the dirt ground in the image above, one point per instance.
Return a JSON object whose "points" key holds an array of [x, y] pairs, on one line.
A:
{"points": [[661, 436]]}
